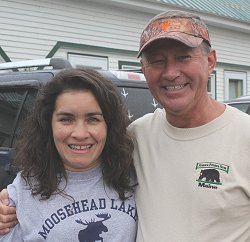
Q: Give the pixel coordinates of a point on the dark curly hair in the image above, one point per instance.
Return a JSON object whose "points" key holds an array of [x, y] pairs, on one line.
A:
{"points": [[37, 155]]}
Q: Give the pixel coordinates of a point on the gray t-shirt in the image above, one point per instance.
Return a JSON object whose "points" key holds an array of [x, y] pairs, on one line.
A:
{"points": [[94, 213]]}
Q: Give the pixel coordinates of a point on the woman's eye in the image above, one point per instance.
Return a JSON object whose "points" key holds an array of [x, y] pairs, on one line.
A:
{"points": [[65, 120], [93, 119]]}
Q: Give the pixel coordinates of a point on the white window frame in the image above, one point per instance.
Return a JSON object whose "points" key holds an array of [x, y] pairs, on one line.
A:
{"points": [[234, 75], [129, 65], [212, 81], [85, 60]]}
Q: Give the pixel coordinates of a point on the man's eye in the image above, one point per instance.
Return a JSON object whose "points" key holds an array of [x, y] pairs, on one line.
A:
{"points": [[184, 57], [157, 62]]}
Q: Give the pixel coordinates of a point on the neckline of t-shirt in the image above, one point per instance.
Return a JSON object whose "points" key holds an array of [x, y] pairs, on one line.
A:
{"points": [[197, 132], [85, 175]]}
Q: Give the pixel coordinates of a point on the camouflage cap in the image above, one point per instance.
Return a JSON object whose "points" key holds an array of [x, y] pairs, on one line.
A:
{"points": [[178, 25]]}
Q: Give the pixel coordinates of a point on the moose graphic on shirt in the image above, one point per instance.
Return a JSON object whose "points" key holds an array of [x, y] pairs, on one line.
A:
{"points": [[94, 228]]}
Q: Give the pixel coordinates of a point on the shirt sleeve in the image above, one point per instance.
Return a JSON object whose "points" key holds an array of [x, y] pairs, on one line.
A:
{"points": [[14, 235]]}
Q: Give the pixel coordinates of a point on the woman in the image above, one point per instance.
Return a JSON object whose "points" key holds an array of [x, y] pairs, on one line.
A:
{"points": [[77, 179]]}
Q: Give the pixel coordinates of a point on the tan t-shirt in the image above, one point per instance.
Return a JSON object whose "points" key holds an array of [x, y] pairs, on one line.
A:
{"points": [[194, 184]]}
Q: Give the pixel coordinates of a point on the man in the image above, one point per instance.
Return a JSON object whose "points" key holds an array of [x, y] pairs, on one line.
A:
{"points": [[192, 157]]}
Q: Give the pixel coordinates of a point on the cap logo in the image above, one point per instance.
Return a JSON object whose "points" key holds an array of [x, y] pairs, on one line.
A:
{"points": [[165, 26]]}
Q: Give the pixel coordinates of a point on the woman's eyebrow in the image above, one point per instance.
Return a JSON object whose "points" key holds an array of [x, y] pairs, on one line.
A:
{"points": [[94, 114], [71, 115], [63, 114]]}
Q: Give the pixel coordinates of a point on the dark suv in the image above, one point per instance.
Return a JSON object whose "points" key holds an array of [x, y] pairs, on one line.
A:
{"points": [[18, 90]]}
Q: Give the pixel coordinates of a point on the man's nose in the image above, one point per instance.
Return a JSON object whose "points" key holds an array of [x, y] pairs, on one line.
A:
{"points": [[171, 70]]}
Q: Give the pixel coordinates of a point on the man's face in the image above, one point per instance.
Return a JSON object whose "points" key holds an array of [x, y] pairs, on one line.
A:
{"points": [[177, 75]]}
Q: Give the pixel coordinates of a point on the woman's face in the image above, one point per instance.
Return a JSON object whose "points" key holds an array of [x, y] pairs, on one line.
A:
{"points": [[79, 130]]}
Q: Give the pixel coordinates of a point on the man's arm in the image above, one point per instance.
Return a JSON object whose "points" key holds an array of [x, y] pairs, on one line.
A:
{"points": [[8, 217]]}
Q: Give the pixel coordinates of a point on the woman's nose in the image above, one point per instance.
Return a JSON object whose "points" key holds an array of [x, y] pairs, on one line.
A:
{"points": [[80, 130]]}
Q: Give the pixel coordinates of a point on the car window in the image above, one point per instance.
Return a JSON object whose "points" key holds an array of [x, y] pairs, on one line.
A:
{"points": [[7, 174], [241, 106], [138, 100], [12, 101], [27, 107], [10, 104]]}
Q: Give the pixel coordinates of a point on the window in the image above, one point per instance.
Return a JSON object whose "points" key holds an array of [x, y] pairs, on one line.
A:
{"points": [[244, 107], [97, 62], [211, 87], [235, 88], [129, 65], [12, 103], [27, 107], [138, 100], [235, 84]]}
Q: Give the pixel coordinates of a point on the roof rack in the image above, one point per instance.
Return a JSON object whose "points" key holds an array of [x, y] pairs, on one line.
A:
{"points": [[56, 63]]}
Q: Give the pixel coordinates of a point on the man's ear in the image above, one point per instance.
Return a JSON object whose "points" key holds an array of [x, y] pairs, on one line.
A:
{"points": [[142, 66], [211, 61]]}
